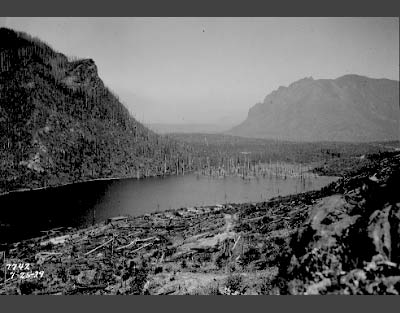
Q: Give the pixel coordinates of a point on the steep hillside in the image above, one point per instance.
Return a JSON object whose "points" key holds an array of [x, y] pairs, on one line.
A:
{"points": [[349, 108], [59, 123]]}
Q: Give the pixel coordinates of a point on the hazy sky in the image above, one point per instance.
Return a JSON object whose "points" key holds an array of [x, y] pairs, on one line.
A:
{"points": [[203, 70]]}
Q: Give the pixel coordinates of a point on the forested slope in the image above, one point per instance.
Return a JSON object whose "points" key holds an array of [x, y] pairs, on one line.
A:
{"points": [[59, 123]]}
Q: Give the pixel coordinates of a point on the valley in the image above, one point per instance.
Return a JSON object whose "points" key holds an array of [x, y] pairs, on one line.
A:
{"points": [[300, 198]]}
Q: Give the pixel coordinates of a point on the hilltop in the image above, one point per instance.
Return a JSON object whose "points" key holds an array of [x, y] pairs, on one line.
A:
{"points": [[351, 108], [59, 123]]}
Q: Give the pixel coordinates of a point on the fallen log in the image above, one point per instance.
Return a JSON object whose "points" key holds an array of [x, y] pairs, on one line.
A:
{"points": [[8, 280], [136, 240], [53, 230], [102, 245], [237, 240], [128, 245], [116, 219], [204, 249], [48, 253], [43, 256], [162, 258], [56, 240], [167, 292], [146, 239], [140, 248], [85, 288]]}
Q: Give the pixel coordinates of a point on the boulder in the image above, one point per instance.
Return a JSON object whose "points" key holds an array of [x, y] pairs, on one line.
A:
{"points": [[86, 277], [328, 221], [379, 231]]}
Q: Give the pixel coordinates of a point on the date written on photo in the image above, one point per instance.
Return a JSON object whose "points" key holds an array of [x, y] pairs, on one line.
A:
{"points": [[28, 275], [23, 271]]}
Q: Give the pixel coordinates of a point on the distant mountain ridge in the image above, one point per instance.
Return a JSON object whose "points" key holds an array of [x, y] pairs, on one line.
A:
{"points": [[59, 123], [350, 108]]}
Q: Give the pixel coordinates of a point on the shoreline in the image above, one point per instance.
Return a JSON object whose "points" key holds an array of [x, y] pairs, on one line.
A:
{"points": [[228, 249], [312, 175], [271, 199], [81, 182], [218, 224]]}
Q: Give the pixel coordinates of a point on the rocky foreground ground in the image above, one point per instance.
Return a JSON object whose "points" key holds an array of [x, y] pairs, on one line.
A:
{"points": [[342, 239]]}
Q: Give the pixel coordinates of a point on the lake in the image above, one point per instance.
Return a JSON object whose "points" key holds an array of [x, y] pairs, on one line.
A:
{"points": [[24, 214]]}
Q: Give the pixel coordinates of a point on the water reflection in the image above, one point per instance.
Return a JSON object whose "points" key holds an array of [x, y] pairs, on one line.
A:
{"points": [[24, 214]]}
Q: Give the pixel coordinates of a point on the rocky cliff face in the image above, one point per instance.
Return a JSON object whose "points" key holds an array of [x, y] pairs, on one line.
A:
{"points": [[350, 241], [349, 108]]}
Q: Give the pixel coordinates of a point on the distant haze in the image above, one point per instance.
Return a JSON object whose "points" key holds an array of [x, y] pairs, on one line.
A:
{"points": [[168, 128], [212, 70]]}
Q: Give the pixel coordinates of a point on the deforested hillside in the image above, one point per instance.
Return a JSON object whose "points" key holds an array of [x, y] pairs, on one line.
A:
{"points": [[343, 239], [59, 123]]}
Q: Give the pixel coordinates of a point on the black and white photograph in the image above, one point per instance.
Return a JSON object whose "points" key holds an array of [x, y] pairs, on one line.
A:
{"points": [[199, 156]]}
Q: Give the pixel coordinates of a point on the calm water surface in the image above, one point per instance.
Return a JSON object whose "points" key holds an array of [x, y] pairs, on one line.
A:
{"points": [[24, 214]]}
